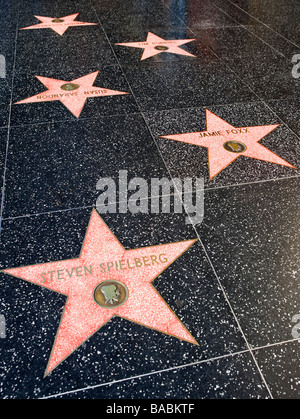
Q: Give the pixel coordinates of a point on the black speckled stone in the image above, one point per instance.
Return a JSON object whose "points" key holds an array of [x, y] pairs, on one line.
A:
{"points": [[3, 144], [269, 75], [120, 21], [184, 84], [66, 160], [288, 111], [7, 47], [200, 15], [281, 44], [252, 238], [241, 16], [236, 289], [90, 50], [228, 378], [233, 43], [280, 366], [282, 17], [119, 8], [8, 19], [121, 349]]}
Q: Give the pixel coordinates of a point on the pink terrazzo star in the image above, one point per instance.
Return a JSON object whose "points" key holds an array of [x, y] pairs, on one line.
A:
{"points": [[155, 45], [225, 143], [73, 94], [105, 270], [59, 25]]}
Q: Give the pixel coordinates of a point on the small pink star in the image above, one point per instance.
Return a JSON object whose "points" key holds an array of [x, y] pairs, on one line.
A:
{"points": [[59, 25], [73, 94], [155, 45]]}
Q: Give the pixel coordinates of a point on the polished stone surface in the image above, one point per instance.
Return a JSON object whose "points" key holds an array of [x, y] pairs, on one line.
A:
{"points": [[258, 262], [219, 379], [203, 84], [67, 159], [97, 52], [235, 290], [281, 361]]}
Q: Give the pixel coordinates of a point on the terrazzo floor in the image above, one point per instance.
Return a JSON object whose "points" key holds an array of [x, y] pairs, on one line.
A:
{"points": [[111, 289]]}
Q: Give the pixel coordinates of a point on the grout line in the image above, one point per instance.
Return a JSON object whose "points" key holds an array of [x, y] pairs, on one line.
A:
{"points": [[212, 189], [9, 122], [192, 364], [236, 185], [272, 345], [212, 266], [234, 354], [186, 365], [220, 285], [264, 24], [17, 217], [67, 121], [64, 121], [235, 317], [252, 33]]}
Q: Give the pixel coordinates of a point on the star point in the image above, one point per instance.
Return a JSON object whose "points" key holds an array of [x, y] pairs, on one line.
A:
{"points": [[106, 280]]}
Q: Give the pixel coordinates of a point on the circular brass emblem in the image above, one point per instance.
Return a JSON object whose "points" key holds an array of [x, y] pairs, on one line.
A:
{"points": [[161, 48], [235, 147], [111, 294], [70, 86], [57, 20]]}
